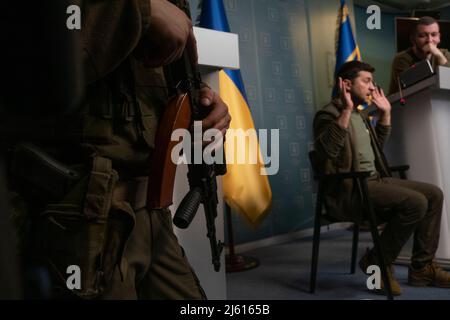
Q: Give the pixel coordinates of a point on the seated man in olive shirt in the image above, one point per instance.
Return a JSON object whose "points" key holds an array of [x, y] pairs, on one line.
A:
{"points": [[345, 141], [425, 39]]}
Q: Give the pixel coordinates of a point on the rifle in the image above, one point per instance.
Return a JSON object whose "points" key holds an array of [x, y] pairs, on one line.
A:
{"points": [[184, 84]]}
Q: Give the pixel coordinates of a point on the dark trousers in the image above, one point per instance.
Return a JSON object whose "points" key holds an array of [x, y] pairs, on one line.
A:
{"points": [[154, 265], [408, 207]]}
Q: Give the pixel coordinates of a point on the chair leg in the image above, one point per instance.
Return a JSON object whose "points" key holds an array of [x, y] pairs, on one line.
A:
{"points": [[354, 247], [376, 242], [316, 243]]}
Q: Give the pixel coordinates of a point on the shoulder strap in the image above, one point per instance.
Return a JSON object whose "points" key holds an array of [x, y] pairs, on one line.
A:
{"points": [[100, 188]]}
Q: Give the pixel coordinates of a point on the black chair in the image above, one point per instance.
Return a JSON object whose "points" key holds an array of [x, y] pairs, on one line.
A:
{"points": [[322, 217]]}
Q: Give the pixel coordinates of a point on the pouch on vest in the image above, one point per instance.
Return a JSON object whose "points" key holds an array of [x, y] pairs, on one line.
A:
{"points": [[82, 232], [39, 176]]}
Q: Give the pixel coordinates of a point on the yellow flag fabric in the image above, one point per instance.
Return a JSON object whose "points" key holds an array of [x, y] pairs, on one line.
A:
{"points": [[246, 190]]}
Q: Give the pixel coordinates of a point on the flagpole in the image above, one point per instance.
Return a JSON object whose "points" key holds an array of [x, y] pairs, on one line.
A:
{"points": [[233, 261]]}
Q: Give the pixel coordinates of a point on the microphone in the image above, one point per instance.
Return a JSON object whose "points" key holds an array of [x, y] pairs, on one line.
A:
{"points": [[400, 91]]}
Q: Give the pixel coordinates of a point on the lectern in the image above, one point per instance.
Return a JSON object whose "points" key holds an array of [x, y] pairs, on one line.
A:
{"points": [[421, 138], [216, 50]]}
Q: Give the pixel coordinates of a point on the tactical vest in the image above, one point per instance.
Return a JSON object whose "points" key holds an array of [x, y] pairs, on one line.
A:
{"points": [[112, 137], [121, 115], [118, 120]]}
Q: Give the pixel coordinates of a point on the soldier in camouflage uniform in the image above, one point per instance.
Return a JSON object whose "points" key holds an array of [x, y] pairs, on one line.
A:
{"points": [[96, 217]]}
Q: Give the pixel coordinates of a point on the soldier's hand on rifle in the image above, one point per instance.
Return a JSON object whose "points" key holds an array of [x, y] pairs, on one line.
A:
{"points": [[218, 117], [169, 33]]}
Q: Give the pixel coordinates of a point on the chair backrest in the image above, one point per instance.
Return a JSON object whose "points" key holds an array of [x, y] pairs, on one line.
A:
{"points": [[325, 217], [313, 159]]}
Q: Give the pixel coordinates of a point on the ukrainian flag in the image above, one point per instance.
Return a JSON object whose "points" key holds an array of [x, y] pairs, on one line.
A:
{"points": [[245, 189], [346, 49]]}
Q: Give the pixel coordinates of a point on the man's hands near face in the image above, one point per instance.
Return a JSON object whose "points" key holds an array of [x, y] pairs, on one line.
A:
{"points": [[169, 33], [347, 104], [345, 96], [382, 104], [432, 49], [380, 100]]}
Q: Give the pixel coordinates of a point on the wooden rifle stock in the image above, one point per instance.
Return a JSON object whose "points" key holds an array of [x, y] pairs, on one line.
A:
{"points": [[184, 83], [177, 115]]}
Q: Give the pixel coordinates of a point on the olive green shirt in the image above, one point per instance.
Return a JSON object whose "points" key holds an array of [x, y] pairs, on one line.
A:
{"points": [[365, 155], [405, 59], [336, 152]]}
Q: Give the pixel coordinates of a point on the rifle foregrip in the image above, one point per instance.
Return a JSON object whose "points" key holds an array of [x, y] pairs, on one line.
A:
{"points": [[187, 209]]}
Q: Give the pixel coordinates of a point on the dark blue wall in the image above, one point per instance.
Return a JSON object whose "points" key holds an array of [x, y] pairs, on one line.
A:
{"points": [[377, 46], [285, 84], [276, 69]]}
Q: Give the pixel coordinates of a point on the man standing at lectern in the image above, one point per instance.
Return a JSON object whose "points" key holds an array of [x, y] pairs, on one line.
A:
{"points": [[425, 39]]}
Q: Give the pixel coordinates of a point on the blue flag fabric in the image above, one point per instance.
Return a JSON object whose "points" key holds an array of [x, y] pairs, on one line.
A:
{"points": [[246, 189], [213, 17], [347, 49]]}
